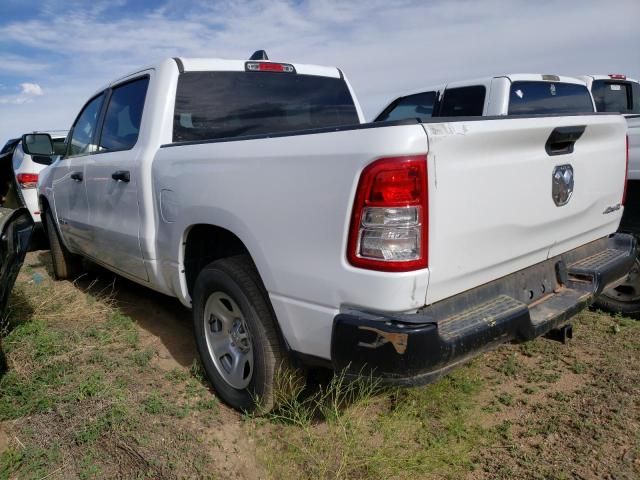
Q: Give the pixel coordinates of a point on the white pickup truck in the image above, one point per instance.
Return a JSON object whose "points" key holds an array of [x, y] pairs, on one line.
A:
{"points": [[252, 192], [618, 93]]}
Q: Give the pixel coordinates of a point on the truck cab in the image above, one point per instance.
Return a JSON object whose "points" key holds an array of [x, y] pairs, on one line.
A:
{"points": [[513, 94]]}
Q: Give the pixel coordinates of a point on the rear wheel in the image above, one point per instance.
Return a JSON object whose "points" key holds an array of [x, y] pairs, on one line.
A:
{"points": [[236, 333], [65, 264], [625, 298]]}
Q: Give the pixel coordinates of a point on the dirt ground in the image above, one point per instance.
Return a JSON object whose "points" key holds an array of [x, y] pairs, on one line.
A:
{"points": [[103, 382]]}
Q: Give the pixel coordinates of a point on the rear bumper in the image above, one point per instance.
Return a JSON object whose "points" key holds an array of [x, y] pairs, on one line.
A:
{"points": [[411, 349]]}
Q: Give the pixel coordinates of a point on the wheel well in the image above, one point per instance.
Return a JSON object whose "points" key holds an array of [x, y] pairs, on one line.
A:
{"points": [[205, 244]]}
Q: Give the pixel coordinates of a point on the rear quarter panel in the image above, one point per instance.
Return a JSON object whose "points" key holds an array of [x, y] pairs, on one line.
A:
{"points": [[289, 200]]}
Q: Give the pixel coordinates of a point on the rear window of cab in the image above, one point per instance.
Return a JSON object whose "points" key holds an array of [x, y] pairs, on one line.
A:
{"points": [[616, 96], [543, 98], [217, 105]]}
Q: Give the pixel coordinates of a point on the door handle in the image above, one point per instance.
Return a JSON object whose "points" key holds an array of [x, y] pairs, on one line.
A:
{"points": [[77, 176], [562, 139], [121, 176]]}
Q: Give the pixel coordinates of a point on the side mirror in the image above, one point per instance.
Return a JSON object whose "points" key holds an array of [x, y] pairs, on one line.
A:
{"points": [[37, 144]]}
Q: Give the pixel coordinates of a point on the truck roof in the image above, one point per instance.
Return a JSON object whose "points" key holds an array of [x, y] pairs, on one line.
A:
{"points": [[608, 77], [538, 77], [513, 77], [227, 65], [220, 64]]}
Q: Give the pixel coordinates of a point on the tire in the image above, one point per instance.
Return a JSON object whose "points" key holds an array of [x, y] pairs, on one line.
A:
{"points": [[624, 298], [236, 334], [611, 305], [65, 264]]}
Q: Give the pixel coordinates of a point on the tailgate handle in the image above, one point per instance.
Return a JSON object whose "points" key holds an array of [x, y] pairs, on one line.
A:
{"points": [[562, 140]]}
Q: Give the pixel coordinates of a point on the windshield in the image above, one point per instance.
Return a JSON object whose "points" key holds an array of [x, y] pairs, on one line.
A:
{"points": [[213, 105], [616, 96], [533, 98]]}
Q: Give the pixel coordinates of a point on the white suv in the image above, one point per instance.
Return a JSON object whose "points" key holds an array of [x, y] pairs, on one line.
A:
{"points": [[27, 171]]}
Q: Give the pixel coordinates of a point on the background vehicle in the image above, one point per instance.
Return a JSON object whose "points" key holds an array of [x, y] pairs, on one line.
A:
{"points": [[16, 228], [617, 93], [27, 169], [250, 191], [514, 94]]}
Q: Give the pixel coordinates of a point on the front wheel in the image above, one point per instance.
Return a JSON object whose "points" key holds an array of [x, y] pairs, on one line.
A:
{"points": [[65, 264], [236, 333], [625, 298]]}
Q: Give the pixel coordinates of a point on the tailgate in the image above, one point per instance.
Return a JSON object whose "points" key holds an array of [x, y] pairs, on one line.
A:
{"points": [[491, 204]]}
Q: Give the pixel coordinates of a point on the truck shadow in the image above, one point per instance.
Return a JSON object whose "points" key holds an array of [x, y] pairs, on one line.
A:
{"points": [[166, 322], [165, 325]]}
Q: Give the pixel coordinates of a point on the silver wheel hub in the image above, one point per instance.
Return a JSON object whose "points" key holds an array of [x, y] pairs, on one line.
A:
{"points": [[228, 340]]}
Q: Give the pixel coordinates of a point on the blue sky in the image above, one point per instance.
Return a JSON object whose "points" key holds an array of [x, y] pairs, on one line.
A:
{"points": [[54, 53]]}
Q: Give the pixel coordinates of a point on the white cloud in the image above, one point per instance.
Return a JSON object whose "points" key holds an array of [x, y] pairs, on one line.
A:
{"points": [[383, 47], [27, 92], [31, 89]]}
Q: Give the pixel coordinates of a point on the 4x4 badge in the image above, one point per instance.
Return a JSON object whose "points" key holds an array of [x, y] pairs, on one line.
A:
{"points": [[562, 184]]}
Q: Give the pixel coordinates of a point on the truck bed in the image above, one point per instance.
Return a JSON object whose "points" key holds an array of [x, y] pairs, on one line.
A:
{"points": [[288, 197]]}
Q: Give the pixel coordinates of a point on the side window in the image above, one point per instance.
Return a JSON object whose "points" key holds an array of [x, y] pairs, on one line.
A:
{"points": [[463, 102], [412, 106], [124, 113], [59, 146], [85, 128]]}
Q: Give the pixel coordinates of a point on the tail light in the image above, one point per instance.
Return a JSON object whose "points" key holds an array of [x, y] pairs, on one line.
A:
{"points": [[27, 180], [626, 173], [389, 226]]}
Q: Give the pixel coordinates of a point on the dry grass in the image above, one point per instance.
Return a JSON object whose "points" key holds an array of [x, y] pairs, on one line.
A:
{"points": [[87, 395], [539, 410], [83, 397]]}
